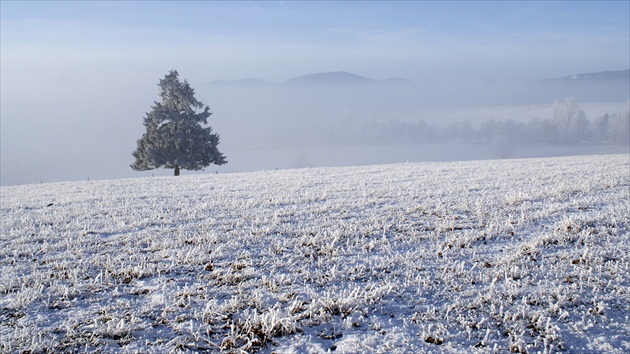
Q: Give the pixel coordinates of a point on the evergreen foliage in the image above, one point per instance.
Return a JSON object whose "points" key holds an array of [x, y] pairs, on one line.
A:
{"points": [[175, 135]]}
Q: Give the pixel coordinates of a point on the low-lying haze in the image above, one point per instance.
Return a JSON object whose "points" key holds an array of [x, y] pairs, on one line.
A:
{"points": [[78, 77]]}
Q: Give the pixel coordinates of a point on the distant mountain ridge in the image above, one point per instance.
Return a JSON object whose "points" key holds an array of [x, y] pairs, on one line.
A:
{"points": [[347, 78], [587, 87], [334, 78], [327, 78], [620, 75], [241, 82]]}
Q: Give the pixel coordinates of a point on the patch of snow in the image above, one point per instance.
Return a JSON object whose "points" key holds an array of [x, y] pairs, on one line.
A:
{"points": [[526, 255]]}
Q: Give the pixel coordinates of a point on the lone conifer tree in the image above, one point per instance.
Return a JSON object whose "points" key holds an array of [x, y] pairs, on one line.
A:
{"points": [[175, 137]]}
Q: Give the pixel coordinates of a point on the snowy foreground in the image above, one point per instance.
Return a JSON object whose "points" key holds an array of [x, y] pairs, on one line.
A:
{"points": [[524, 255]]}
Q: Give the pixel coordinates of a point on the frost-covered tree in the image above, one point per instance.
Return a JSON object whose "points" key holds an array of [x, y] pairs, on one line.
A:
{"points": [[620, 126], [565, 116], [175, 134], [601, 130]]}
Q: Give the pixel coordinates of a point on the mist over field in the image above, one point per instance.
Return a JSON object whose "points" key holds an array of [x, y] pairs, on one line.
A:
{"points": [[305, 84], [320, 120], [326, 120]]}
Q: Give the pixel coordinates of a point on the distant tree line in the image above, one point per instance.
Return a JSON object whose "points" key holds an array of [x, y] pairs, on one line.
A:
{"points": [[568, 125]]}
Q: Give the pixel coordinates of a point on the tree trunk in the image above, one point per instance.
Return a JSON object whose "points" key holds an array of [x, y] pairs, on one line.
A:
{"points": [[176, 170]]}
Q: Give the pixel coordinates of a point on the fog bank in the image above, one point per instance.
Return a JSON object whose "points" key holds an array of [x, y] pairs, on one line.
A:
{"points": [[271, 125]]}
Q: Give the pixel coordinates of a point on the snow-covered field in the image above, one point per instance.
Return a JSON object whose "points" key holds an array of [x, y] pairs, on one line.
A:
{"points": [[526, 255]]}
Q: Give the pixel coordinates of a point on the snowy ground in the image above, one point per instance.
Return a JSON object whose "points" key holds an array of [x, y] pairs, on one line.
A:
{"points": [[526, 255]]}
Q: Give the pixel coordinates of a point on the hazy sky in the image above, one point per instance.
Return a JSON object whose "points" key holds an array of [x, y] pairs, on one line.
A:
{"points": [[77, 77], [275, 41]]}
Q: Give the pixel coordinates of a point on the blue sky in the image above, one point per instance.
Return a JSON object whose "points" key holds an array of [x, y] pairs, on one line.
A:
{"points": [[275, 41]]}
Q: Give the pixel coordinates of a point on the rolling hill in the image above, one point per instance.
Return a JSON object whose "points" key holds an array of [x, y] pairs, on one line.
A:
{"points": [[522, 256]]}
